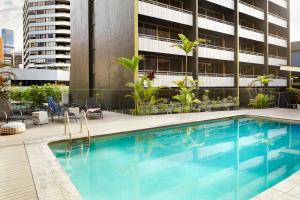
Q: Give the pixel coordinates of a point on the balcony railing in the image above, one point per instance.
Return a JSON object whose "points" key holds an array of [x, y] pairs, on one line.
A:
{"points": [[277, 36], [167, 6], [278, 20], [152, 37], [274, 15], [251, 29], [226, 3], [216, 47], [216, 19], [278, 57], [215, 52], [167, 73], [215, 75], [252, 53], [255, 76], [282, 3], [216, 80], [252, 6]]}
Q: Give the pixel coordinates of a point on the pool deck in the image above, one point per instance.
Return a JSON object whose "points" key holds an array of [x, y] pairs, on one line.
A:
{"points": [[29, 170]]}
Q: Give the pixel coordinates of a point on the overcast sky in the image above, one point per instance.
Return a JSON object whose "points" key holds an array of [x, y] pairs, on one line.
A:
{"points": [[11, 18]]}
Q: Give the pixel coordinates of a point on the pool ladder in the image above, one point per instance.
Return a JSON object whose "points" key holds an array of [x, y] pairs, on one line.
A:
{"points": [[83, 120]]}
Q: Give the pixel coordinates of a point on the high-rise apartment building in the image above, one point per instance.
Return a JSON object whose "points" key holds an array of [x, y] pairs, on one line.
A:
{"points": [[17, 59], [8, 45], [296, 53], [1, 52], [46, 34], [243, 39]]}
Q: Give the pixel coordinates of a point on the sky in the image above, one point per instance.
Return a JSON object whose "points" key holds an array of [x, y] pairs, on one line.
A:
{"points": [[11, 17]]}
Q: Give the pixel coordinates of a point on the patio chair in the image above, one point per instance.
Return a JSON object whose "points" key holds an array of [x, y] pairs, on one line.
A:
{"points": [[7, 115], [285, 100], [93, 108], [57, 110]]}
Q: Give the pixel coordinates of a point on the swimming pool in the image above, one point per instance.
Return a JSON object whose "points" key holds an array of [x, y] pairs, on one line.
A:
{"points": [[227, 159]]}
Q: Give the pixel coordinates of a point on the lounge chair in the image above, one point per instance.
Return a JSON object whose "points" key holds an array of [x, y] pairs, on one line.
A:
{"points": [[93, 108], [57, 110], [7, 115]]}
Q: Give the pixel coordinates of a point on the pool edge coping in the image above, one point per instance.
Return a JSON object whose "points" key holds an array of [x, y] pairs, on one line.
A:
{"points": [[52, 182]]}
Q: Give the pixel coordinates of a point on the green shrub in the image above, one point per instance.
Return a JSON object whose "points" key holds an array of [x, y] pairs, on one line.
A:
{"points": [[186, 96], [37, 95], [261, 101], [293, 91]]}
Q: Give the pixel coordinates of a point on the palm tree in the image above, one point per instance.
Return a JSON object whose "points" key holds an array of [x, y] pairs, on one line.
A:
{"points": [[187, 46], [130, 64]]}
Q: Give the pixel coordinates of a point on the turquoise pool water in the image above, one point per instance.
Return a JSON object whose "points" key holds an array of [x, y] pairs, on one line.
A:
{"points": [[228, 159]]}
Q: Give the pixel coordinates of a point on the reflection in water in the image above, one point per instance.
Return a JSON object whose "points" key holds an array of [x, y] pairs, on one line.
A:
{"points": [[230, 159]]}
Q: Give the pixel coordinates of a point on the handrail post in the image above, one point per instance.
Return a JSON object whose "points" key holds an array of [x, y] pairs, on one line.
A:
{"points": [[83, 117]]}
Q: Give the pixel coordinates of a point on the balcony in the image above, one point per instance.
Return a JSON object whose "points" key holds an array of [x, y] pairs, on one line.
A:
{"points": [[225, 3], [214, 24], [246, 80], [158, 45], [251, 57], [252, 34], [282, 3], [216, 80], [277, 40], [166, 12], [277, 20], [215, 52], [167, 79], [279, 82], [251, 10], [277, 60]]}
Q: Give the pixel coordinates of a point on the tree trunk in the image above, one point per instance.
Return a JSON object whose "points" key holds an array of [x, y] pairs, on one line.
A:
{"points": [[186, 63]]}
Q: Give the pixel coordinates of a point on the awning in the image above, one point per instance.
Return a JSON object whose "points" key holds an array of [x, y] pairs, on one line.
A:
{"points": [[290, 68]]}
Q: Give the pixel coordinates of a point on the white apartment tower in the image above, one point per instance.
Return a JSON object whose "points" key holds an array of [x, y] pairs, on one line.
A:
{"points": [[46, 34]]}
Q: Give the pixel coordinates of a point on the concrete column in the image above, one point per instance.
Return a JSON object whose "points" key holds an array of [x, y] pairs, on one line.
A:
{"points": [[289, 59], [194, 37], [91, 27], [236, 48], [266, 29]]}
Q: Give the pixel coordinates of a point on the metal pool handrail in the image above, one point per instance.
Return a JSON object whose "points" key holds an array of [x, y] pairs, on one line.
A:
{"points": [[82, 120], [67, 126]]}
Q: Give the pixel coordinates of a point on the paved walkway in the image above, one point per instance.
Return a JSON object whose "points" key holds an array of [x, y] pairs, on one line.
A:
{"points": [[16, 180], [15, 174]]}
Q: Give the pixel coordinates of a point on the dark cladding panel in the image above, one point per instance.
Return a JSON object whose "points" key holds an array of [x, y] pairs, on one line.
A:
{"points": [[79, 78], [114, 37]]}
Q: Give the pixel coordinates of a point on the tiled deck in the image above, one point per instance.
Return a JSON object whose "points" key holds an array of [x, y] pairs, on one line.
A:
{"points": [[16, 174]]}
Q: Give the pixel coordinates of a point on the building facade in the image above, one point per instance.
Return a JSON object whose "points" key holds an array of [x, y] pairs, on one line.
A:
{"points": [[8, 45], [296, 54], [243, 39], [46, 34]]}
